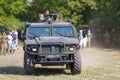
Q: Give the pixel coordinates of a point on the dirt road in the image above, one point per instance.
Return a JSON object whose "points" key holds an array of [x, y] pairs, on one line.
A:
{"points": [[97, 64]]}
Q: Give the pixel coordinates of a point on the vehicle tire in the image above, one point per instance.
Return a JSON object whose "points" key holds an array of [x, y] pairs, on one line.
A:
{"points": [[75, 67], [29, 67]]}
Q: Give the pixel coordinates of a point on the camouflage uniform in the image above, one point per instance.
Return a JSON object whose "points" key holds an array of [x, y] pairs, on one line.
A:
{"points": [[3, 44], [89, 37]]}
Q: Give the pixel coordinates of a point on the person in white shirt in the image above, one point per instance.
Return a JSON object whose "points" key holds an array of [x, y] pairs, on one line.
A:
{"points": [[83, 38], [9, 43], [16, 41]]}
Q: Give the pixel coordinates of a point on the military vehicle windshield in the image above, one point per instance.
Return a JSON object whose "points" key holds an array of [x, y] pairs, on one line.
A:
{"points": [[38, 31], [63, 31], [46, 31]]}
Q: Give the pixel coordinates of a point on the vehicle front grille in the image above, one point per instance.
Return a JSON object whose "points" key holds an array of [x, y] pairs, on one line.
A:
{"points": [[52, 49]]}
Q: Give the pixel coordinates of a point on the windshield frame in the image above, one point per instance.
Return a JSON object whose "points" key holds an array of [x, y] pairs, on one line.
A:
{"points": [[50, 27]]}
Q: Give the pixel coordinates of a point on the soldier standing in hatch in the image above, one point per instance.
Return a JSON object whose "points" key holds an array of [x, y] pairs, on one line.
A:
{"points": [[3, 43], [46, 13]]}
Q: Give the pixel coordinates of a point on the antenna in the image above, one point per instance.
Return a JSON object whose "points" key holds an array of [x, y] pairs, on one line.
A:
{"points": [[49, 5]]}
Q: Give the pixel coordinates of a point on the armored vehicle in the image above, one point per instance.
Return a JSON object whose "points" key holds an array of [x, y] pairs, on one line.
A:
{"points": [[51, 43]]}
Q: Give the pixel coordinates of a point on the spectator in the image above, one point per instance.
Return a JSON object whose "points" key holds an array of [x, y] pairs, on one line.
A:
{"points": [[89, 37], [3, 43], [83, 38], [9, 43], [16, 40], [107, 39], [13, 41]]}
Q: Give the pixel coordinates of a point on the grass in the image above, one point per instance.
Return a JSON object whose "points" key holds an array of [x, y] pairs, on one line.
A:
{"points": [[89, 73], [109, 70]]}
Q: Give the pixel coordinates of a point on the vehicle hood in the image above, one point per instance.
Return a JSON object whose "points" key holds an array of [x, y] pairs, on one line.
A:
{"points": [[40, 40]]}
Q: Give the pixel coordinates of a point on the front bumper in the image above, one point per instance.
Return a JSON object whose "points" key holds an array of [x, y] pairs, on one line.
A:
{"points": [[53, 59]]}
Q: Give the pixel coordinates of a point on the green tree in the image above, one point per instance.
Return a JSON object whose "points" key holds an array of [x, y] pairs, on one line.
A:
{"points": [[76, 10], [9, 10], [107, 18]]}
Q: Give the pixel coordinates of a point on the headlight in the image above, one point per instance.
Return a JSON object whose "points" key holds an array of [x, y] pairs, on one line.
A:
{"points": [[72, 48], [32, 48]]}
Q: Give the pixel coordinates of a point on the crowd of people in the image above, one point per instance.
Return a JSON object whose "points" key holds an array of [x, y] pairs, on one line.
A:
{"points": [[85, 38], [8, 42]]}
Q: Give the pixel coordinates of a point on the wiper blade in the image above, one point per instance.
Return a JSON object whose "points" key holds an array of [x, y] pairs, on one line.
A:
{"points": [[59, 34], [34, 35]]}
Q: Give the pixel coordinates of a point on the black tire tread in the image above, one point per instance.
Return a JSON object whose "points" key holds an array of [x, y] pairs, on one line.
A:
{"points": [[28, 66], [75, 67]]}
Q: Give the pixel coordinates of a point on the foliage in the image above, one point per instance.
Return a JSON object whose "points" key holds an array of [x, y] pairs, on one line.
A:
{"points": [[76, 10], [108, 18], [9, 9], [104, 13]]}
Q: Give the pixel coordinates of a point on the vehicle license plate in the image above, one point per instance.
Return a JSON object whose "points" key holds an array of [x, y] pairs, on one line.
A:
{"points": [[53, 56]]}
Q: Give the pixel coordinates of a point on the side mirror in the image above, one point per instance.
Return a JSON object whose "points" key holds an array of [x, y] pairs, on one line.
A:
{"points": [[78, 35], [21, 35]]}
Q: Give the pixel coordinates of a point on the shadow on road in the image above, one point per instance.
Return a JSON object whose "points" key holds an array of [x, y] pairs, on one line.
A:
{"points": [[12, 70], [15, 70], [50, 71]]}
